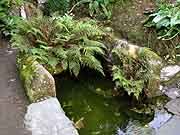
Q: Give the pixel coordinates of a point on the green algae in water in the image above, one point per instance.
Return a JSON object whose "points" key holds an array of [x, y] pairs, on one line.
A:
{"points": [[83, 98]]}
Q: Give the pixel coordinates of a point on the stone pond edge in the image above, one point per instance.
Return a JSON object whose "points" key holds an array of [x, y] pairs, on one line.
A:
{"points": [[39, 86]]}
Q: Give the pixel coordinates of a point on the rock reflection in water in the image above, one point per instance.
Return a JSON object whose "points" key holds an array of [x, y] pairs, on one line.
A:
{"points": [[160, 118], [136, 128]]}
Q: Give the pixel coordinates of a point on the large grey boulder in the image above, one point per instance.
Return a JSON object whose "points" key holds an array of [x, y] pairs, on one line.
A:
{"points": [[170, 79], [38, 82], [48, 118]]}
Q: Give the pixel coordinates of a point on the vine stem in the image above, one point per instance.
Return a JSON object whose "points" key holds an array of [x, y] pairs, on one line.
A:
{"points": [[78, 3]]}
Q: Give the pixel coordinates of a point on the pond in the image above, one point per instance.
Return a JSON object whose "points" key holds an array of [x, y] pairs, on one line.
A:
{"points": [[88, 99]]}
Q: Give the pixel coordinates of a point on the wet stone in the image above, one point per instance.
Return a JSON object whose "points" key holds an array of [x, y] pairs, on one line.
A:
{"points": [[172, 127], [160, 118], [168, 72], [173, 106], [136, 128], [172, 93]]}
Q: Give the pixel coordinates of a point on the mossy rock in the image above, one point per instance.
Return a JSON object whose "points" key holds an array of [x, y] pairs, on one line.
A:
{"points": [[153, 62], [38, 82]]}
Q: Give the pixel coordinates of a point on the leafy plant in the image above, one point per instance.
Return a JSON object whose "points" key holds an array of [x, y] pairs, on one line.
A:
{"points": [[166, 20], [96, 8], [129, 74], [131, 86], [100, 8], [7, 22], [4, 5], [27, 68], [61, 42], [60, 6]]}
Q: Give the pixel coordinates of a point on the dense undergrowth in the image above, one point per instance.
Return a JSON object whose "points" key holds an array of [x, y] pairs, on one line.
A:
{"points": [[166, 21], [132, 74], [95, 8], [8, 21], [61, 42]]}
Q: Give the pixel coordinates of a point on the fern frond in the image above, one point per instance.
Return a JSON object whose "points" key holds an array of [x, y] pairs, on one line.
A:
{"points": [[74, 67], [60, 53], [134, 87], [73, 58], [91, 62]]}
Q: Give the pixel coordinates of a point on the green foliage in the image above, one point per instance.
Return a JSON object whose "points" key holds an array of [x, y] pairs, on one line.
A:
{"points": [[96, 8], [7, 22], [4, 5], [26, 68], [128, 73], [166, 20], [131, 86], [100, 7], [61, 42], [60, 6]]}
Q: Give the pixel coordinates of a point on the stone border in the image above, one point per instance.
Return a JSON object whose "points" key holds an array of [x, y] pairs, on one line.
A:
{"points": [[45, 115]]}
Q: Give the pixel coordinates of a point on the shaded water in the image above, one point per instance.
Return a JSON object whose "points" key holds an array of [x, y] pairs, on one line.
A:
{"points": [[89, 100], [83, 99]]}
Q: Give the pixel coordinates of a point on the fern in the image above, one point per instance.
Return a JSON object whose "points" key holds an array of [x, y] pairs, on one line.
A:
{"points": [[54, 41], [91, 62], [134, 87], [128, 73]]}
